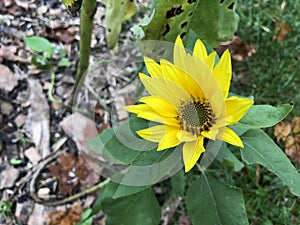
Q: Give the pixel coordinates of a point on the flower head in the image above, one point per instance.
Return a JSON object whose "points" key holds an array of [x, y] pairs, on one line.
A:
{"points": [[189, 100]]}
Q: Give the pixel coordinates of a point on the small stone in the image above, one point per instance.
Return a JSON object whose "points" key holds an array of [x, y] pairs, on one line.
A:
{"points": [[6, 108]]}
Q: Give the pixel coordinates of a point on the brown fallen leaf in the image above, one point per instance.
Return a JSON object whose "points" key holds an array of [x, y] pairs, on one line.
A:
{"points": [[8, 79], [38, 118], [289, 133], [8, 174], [238, 49], [69, 217], [66, 34], [281, 31], [38, 214], [61, 170], [81, 129]]}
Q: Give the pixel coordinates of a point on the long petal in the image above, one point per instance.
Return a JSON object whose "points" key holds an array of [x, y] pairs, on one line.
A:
{"points": [[154, 134], [185, 136], [236, 108], [152, 67], [179, 52], [203, 76], [230, 137], [169, 140], [223, 72], [210, 60], [165, 88], [181, 78], [199, 50], [146, 112], [192, 152], [160, 106]]}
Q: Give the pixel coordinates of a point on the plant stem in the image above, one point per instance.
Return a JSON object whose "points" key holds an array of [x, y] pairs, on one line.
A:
{"points": [[86, 27]]}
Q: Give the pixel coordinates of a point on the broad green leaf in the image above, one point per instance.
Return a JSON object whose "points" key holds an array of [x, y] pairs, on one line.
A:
{"points": [[139, 208], [117, 11], [178, 184], [212, 20], [225, 155], [125, 190], [157, 166], [39, 44], [260, 148], [121, 144], [261, 116], [210, 202]]}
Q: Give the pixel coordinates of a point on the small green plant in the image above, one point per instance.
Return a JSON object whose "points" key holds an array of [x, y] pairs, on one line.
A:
{"points": [[5, 208], [48, 55]]}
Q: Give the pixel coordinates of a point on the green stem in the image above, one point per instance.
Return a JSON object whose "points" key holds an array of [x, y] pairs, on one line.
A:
{"points": [[88, 10], [78, 195]]}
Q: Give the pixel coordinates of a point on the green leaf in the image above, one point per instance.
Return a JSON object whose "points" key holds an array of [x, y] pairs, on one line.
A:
{"points": [[178, 184], [211, 20], [15, 161], [117, 11], [225, 155], [39, 44], [210, 202], [86, 218], [125, 190], [260, 148], [64, 62], [68, 3], [121, 144], [40, 61], [261, 116], [139, 208]]}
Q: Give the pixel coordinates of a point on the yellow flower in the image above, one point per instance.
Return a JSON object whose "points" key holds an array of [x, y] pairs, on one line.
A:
{"points": [[189, 100]]}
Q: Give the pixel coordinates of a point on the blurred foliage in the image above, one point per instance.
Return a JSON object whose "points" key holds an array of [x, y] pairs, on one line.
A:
{"points": [[272, 74]]}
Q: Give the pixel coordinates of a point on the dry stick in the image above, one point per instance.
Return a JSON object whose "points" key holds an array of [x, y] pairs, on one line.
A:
{"points": [[88, 10]]}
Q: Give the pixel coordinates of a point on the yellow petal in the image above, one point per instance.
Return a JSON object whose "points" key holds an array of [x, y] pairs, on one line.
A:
{"points": [[152, 67], [210, 60], [236, 108], [211, 134], [185, 136], [179, 52], [182, 79], [154, 134], [170, 139], [191, 153], [146, 112], [164, 88], [207, 82], [160, 106], [223, 72], [231, 137], [200, 50]]}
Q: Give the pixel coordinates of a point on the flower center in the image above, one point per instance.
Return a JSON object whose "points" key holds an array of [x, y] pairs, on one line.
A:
{"points": [[196, 116]]}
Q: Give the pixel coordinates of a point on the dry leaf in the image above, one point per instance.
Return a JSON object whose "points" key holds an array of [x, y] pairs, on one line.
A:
{"points": [[238, 49], [33, 155], [289, 132], [69, 217], [64, 34], [38, 214], [280, 31], [66, 163], [81, 129], [38, 118], [8, 174], [8, 80]]}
